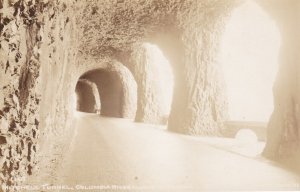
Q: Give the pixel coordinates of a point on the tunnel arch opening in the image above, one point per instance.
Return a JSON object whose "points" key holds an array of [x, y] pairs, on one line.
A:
{"points": [[110, 91], [250, 60], [249, 57], [116, 90], [87, 97]]}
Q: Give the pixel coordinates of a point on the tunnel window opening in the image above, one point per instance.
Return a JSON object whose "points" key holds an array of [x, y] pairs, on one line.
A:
{"points": [[249, 57], [162, 76]]}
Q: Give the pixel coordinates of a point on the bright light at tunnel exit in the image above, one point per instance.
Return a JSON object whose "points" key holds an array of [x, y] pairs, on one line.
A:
{"points": [[249, 56]]}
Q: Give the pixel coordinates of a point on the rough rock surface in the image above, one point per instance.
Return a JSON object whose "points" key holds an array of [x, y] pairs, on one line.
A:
{"points": [[36, 47], [45, 46], [149, 106], [283, 142], [182, 42], [40, 66]]}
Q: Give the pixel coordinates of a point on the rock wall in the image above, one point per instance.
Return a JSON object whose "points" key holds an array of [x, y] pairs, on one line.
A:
{"points": [[283, 136], [189, 32], [199, 104], [88, 98], [36, 50], [150, 101]]}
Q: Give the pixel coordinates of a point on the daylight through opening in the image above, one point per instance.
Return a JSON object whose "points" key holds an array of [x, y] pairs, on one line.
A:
{"points": [[249, 57]]}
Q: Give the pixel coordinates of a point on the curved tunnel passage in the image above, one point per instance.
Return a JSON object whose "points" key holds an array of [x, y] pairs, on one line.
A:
{"points": [[116, 88], [110, 91], [88, 99]]}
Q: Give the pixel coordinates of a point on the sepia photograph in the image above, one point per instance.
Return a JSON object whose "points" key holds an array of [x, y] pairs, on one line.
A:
{"points": [[149, 95]]}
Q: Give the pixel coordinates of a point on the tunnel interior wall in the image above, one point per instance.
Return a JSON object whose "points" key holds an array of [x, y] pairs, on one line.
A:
{"points": [[193, 27], [283, 132], [35, 57], [150, 97], [39, 64]]}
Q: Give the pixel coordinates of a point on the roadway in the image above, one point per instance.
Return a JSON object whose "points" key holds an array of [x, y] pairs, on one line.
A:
{"points": [[139, 157]]}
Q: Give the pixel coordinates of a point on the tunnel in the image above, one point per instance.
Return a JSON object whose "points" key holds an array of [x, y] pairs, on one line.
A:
{"points": [[87, 97], [116, 91], [249, 58], [110, 91], [250, 48], [149, 95]]}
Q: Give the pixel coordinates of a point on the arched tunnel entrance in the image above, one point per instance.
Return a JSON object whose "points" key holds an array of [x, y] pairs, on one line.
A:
{"points": [[110, 90], [116, 92], [249, 57], [87, 96]]}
